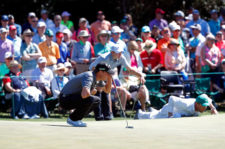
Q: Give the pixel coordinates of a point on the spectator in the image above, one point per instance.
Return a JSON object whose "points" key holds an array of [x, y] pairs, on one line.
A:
{"points": [[6, 45], [27, 25], [220, 43], [131, 26], [126, 35], [34, 23], [179, 18], [83, 26], [30, 53], [186, 35], [116, 34], [175, 59], [18, 26], [40, 34], [163, 42], [82, 52], [176, 32], [155, 34], [5, 22], [197, 20], [67, 34], [158, 21], [44, 18], [42, 77], [17, 41], [65, 20], [64, 53], [178, 107], [4, 68], [100, 24], [140, 44], [69, 71], [103, 46], [27, 103], [223, 31], [151, 58], [146, 34], [210, 55], [134, 60], [50, 50], [57, 26], [59, 80], [214, 22]]}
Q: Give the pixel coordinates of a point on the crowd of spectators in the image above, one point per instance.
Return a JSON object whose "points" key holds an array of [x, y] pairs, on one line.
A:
{"points": [[51, 52]]}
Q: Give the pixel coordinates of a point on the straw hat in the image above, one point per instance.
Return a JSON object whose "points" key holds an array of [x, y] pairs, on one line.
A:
{"points": [[28, 32], [15, 63], [59, 66], [149, 45], [83, 33], [103, 32]]}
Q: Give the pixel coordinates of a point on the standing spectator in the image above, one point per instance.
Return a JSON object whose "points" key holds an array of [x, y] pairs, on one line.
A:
{"points": [[220, 43], [155, 34], [126, 35], [83, 26], [197, 20], [82, 52], [17, 41], [64, 53], [223, 31], [59, 80], [151, 58], [30, 53], [140, 44], [44, 18], [34, 23], [214, 22], [5, 22], [100, 24], [57, 26], [158, 21], [6, 45], [30, 17], [116, 34], [146, 34], [42, 77], [40, 36], [103, 45], [50, 50], [69, 71], [179, 18], [65, 20], [12, 22], [131, 26], [68, 40]]}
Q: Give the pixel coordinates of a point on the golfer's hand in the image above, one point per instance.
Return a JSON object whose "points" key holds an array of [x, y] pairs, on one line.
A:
{"points": [[214, 111], [93, 92], [85, 92]]}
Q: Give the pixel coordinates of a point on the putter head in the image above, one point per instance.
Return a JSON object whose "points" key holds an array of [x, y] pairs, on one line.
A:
{"points": [[131, 127]]}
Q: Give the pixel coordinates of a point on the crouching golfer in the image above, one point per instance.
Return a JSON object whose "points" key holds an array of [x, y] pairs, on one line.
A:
{"points": [[78, 93], [180, 107]]}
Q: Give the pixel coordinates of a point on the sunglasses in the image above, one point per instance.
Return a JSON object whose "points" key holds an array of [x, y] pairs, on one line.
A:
{"points": [[86, 37], [10, 58], [61, 70], [29, 35], [103, 35]]}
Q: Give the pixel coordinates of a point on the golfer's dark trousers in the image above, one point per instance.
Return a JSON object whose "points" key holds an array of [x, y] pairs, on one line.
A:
{"points": [[81, 106], [103, 109]]}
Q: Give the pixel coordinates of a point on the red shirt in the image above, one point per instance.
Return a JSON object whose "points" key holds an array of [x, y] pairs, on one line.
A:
{"points": [[154, 58], [7, 79]]}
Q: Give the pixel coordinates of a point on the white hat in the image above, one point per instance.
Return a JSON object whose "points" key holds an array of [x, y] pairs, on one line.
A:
{"points": [[210, 36], [67, 64], [223, 27], [83, 33], [59, 67], [67, 31], [42, 60], [82, 20], [175, 27], [8, 55], [31, 14], [196, 26], [116, 48], [116, 29], [41, 24], [179, 13], [65, 14], [3, 30]]}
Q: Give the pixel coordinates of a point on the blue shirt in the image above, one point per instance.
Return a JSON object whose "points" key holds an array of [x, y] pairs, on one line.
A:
{"points": [[37, 39], [101, 49], [17, 42], [64, 53], [120, 42], [214, 26], [81, 51], [204, 26]]}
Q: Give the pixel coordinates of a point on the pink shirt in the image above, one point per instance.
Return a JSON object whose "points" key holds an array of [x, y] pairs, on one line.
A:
{"points": [[212, 54], [133, 61]]}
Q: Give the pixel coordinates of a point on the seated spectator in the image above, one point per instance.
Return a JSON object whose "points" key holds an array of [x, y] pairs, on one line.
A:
{"points": [[220, 43], [214, 22], [158, 21], [68, 40], [103, 45], [6, 45], [17, 41], [83, 25], [5, 22], [66, 20], [64, 53], [42, 77], [151, 58], [40, 35], [132, 83], [175, 59], [59, 80], [82, 53], [69, 71], [18, 26], [210, 55], [146, 34], [28, 102], [179, 107], [50, 50], [4, 68], [30, 54]]}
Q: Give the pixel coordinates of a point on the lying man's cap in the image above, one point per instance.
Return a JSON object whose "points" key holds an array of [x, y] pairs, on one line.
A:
{"points": [[104, 67], [203, 100]]}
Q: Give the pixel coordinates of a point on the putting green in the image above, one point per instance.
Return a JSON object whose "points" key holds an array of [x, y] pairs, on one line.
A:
{"points": [[186, 133]]}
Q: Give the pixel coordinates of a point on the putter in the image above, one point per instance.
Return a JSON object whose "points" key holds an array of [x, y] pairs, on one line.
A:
{"points": [[125, 117]]}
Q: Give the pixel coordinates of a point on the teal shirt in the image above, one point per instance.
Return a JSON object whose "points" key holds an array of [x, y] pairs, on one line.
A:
{"points": [[101, 49], [3, 70]]}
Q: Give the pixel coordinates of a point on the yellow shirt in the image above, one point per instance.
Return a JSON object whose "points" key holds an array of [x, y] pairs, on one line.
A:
{"points": [[51, 53]]}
